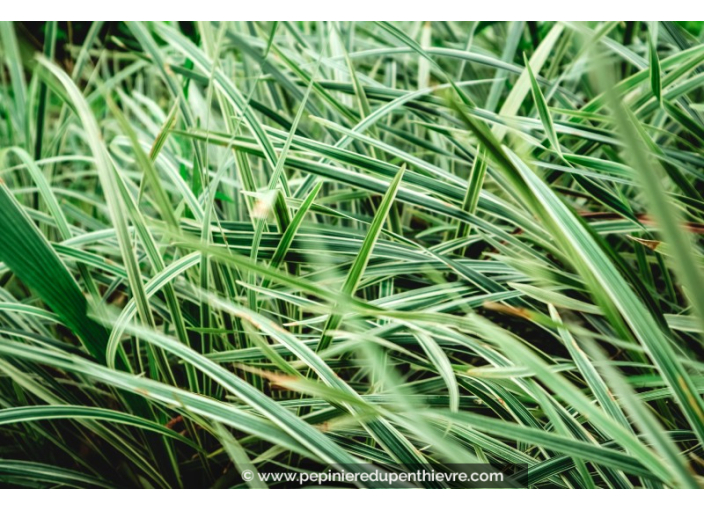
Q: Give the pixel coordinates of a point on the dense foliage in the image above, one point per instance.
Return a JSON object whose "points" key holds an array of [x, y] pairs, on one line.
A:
{"points": [[271, 246]]}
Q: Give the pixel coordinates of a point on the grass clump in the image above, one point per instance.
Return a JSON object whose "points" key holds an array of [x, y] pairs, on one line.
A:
{"points": [[288, 246]]}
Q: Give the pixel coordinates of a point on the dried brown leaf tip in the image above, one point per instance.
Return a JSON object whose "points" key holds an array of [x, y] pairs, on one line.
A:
{"points": [[510, 310], [648, 243]]}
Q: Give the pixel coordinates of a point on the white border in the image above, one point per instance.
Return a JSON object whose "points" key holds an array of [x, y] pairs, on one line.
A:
{"points": [[214, 9]]}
